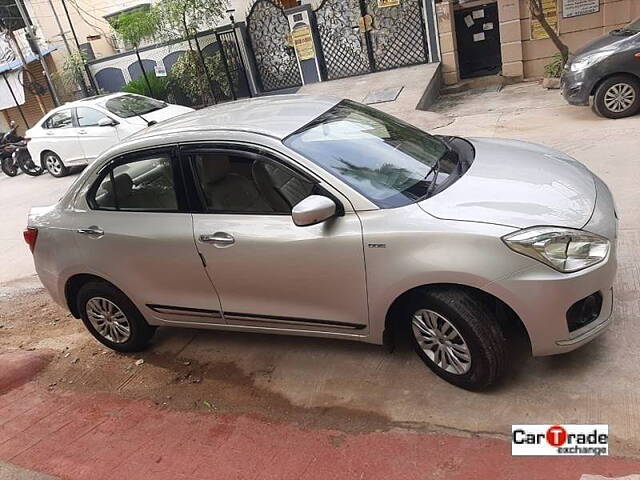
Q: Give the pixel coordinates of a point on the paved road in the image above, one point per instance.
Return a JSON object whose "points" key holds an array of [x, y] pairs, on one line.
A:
{"points": [[17, 196], [79, 436]]}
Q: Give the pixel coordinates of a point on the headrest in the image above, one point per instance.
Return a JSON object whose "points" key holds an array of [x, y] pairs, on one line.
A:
{"points": [[122, 184], [213, 168]]}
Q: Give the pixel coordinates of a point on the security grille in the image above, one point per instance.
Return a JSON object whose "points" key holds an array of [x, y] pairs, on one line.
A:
{"points": [[343, 46], [397, 37], [275, 59]]}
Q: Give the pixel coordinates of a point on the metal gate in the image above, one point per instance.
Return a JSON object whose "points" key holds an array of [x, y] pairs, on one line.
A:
{"points": [[237, 77], [275, 59], [344, 48], [362, 36]]}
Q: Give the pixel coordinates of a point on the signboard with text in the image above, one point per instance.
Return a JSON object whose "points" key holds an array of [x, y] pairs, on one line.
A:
{"points": [[303, 43], [575, 8]]}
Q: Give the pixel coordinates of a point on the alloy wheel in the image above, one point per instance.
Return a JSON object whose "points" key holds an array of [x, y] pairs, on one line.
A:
{"points": [[53, 164], [620, 97], [441, 342], [108, 320]]}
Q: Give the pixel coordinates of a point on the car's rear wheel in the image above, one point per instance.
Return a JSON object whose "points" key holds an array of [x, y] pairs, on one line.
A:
{"points": [[455, 333], [54, 165], [618, 97], [112, 318]]}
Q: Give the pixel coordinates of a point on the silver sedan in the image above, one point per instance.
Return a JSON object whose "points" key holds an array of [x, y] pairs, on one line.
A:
{"points": [[316, 216]]}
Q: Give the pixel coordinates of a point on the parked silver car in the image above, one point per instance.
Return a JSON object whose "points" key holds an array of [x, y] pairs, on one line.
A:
{"points": [[317, 216]]}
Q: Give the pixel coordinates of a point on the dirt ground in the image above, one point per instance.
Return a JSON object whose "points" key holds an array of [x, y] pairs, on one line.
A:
{"points": [[30, 321]]}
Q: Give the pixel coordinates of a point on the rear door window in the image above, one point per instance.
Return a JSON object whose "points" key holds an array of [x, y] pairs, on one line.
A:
{"points": [[145, 184], [61, 119]]}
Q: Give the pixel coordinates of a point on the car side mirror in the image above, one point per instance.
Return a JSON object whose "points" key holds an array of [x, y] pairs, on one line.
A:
{"points": [[107, 122], [313, 210]]}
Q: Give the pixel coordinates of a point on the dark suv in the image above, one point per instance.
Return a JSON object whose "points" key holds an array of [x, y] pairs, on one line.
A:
{"points": [[609, 69]]}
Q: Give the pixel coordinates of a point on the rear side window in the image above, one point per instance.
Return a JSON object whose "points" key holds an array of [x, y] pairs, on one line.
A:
{"points": [[60, 119], [88, 117], [142, 185]]}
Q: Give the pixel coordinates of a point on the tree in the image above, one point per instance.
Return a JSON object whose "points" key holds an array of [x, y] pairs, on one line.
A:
{"points": [[133, 28], [188, 17], [537, 11]]}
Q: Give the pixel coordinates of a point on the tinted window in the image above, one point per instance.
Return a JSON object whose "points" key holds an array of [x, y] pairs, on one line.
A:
{"points": [[88, 117], [141, 185], [60, 119], [249, 184], [388, 161], [126, 106]]}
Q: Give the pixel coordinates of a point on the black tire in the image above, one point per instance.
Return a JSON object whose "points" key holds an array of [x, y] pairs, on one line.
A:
{"points": [[54, 165], [476, 326], [626, 82], [28, 166], [140, 331], [9, 167]]}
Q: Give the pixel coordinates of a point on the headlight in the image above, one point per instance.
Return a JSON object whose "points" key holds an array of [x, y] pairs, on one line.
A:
{"points": [[564, 249], [588, 60]]}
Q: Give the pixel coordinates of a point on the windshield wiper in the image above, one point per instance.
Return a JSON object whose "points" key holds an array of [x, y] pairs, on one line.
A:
{"points": [[149, 123]]}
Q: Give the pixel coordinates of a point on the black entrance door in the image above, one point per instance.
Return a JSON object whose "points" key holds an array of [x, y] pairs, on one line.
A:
{"points": [[478, 36]]}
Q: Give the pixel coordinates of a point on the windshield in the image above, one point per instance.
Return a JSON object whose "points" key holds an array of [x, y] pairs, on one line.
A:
{"points": [[126, 106], [388, 161]]}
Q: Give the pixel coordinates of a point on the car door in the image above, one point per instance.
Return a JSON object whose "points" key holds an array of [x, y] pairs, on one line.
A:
{"points": [[62, 136], [269, 273], [136, 232], [94, 139]]}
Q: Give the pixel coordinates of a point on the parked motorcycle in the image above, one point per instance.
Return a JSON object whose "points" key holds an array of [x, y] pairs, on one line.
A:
{"points": [[14, 155]]}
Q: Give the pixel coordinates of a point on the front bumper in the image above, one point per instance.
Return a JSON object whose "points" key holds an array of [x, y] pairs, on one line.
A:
{"points": [[542, 296], [575, 88]]}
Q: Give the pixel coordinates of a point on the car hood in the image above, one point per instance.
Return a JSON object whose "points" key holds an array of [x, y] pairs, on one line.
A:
{"points": [[518, 184], [608, 42]]}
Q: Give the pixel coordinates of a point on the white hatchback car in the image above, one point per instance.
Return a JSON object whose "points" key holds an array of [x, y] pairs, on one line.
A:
{"points": [[77, 132]]}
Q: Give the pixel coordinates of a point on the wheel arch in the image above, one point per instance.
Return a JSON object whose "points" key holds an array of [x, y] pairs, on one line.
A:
{"points": [[505, 314], [607, 77], [73, 286]]}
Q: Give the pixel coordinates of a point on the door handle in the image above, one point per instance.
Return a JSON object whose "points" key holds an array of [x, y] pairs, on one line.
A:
{"points": [[91, 231], [219, 239], [82, 132]]}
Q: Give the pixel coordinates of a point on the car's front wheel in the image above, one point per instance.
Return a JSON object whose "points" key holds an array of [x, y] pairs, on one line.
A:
{"points": [[54, 165], [618, 97], [112, 318], [455, 333]]}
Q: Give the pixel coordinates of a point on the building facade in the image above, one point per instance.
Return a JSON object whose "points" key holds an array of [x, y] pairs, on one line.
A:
{"points": [[502, 37]]}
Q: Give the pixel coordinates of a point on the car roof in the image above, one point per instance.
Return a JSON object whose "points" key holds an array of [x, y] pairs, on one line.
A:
{"points": [[276, 116]]}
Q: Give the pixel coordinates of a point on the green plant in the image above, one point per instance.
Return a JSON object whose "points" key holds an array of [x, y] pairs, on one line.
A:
{"points": [[73, 70], [188, 17], [188, 76], [159, 87], [554, 68], [135, 26]]}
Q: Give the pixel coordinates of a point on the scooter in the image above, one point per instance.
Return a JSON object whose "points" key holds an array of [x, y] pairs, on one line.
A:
{"points": [[15, 156]]}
